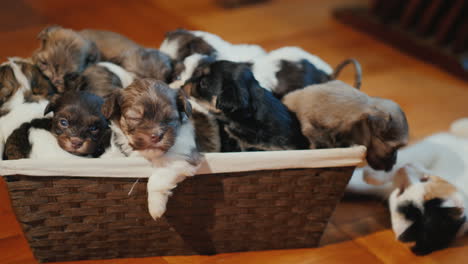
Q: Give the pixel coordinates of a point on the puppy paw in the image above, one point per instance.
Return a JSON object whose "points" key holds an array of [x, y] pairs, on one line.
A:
{"points": [[157, 204]]}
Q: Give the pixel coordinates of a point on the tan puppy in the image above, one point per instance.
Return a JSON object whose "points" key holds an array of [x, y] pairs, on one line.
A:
{"points": [[109, 43], [63, 51], [335, 114]]}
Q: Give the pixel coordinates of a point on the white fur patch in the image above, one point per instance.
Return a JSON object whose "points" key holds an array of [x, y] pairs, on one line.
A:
{"points": [[171, 48], [460, 127], [231, 52], [126, 78], [45, 146]]}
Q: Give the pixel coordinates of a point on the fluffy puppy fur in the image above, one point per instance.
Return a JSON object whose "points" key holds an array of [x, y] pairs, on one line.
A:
{"points": [[150, 119], [426, 191], [182, 43], [144, 62], [253, 116], [63, 51], [100, 79], [337, 115], [77, 124], [23, 95]]}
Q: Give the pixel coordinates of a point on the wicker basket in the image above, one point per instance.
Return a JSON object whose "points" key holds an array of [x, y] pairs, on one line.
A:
{"points": [[237, 202]]}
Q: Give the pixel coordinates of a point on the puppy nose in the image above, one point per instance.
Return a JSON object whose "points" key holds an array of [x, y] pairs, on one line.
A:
{"points": [[156, 137], [76, 142]]}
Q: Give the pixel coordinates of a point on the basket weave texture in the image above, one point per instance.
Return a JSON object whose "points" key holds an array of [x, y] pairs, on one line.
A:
{"points": [[79, 218]]}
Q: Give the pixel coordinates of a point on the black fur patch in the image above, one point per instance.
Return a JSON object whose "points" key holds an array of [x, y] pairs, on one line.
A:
{"points": [[432, 230]]}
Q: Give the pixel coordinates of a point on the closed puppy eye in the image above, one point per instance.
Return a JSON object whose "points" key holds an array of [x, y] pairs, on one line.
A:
{"points": [[63, 122]]}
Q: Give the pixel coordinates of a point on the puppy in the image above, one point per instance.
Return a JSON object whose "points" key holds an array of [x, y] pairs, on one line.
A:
{"points": [[426, 191], [182, 43], [335, 114], [143, 62], [63, 51], [150, 119], [253, 116], [77, 126], [291, 68], [24, 92], [100, 79]]}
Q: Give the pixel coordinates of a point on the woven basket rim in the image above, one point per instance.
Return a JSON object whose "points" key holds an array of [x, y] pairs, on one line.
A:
{"points": [[212, 163]]}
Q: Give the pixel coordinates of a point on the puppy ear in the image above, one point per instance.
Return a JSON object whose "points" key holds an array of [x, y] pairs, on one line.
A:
{"points": [[111, 107], [45, 34], [235, 93], [94, 55], [378, 121], [53, 104], [183, 105]]}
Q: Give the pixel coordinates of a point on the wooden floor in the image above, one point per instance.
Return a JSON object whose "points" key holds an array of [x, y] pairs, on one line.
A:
{"points": [[359, 230]]}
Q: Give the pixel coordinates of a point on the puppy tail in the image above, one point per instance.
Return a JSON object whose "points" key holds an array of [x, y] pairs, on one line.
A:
{"points": [[357, 75], [460, 127]]}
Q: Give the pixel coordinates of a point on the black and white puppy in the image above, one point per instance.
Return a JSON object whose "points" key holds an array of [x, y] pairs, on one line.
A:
{"points": [[426, 190], [291, 68], [254, 117], [100, 79], [24, 94], [288, 69], [182, 43], [151, 120], [77, 128]]}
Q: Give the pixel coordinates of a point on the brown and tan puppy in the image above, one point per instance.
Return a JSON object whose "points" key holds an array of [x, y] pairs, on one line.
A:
{"points": [[149, 114], [144, 62], [77, 127], [150, 119], [335, 114], [63, 51], [78, 123]]}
